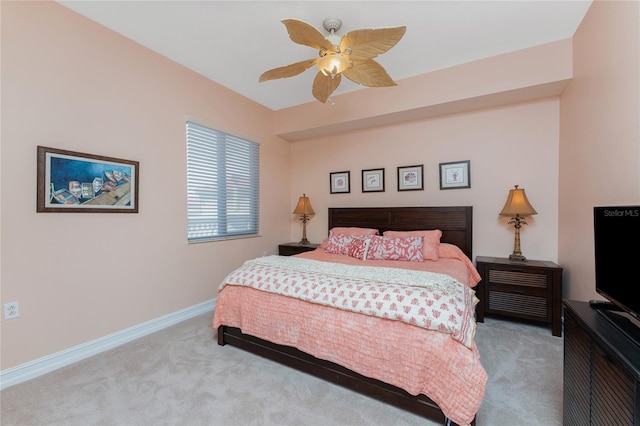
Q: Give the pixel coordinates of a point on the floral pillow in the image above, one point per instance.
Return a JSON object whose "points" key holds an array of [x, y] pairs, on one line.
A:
{"points": [[396, 248], [430, 241], [338, 243], [350, 231], [359, 247]]}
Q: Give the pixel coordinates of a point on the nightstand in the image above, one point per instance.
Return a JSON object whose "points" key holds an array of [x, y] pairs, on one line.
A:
{"points": [[530, 290], [289, 249]]}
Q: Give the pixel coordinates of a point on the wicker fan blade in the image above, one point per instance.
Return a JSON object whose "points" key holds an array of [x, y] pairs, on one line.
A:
{"points": [[369, 43], [369, 73], [324, 86], [302, 33], [287, 70]]}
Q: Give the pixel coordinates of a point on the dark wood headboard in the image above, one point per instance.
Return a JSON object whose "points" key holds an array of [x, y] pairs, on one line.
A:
{"points": [[455, 222]]}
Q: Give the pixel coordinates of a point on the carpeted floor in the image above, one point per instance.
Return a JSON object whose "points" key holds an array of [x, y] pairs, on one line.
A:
{"points": [[180, 376]]}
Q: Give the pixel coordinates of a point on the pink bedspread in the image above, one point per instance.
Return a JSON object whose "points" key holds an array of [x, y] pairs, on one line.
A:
{"points": [[424, 299], [417, 360], [452, 262]]}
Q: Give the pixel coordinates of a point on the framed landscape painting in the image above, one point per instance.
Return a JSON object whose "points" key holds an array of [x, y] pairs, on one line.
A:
{"points": [[71, 181]]}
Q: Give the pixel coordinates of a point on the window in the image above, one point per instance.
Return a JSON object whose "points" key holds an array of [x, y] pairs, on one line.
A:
{"points": [[222, 185]]}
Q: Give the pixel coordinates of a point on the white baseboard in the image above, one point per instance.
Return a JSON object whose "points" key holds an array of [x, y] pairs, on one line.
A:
{"points": [[30, 370]]}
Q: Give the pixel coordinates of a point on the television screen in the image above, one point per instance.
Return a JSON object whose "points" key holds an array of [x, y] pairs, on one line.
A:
{"points": [[617, 255]]}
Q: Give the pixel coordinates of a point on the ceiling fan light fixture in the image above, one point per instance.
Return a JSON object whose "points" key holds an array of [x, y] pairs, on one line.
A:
{"points": [[333, 64], [336, 53]]}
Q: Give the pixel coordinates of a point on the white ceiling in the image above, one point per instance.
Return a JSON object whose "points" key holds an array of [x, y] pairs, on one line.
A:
{"points": [[233, 42]]}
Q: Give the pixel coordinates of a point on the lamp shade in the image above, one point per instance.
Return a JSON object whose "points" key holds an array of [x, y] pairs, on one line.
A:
{"points": [[304, 206], [517, 204], [333, 64]]}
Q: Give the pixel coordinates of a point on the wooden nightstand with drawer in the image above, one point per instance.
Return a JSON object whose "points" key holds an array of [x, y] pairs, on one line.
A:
{"points": [[530, 290]]}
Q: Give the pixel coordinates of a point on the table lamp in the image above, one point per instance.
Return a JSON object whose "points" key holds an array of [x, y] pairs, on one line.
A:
{"points": [[517, 205], [305, 210]]}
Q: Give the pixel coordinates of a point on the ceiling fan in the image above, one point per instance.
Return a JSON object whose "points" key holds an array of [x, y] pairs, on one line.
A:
{"points": [[351, 56]]}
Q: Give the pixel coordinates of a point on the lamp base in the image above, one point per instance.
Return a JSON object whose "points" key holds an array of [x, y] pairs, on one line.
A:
{"points": [[517, 257], [517, 253], [304, 242]]}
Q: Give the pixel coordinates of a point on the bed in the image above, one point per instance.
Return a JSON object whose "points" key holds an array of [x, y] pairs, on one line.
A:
{"points": [[360, 351]]}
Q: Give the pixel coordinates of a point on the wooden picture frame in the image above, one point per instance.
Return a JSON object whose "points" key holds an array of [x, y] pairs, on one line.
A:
{"points": [[76, 182], [339, 182], [455, 175], [373, 180], [410, 178]]}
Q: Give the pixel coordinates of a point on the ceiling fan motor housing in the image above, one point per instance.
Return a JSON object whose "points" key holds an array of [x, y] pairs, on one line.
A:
{"points": [[332, 25]]}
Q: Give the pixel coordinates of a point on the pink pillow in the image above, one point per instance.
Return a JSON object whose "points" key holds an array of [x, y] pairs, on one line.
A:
{"points": [[359, 247], [338, 243], [450, 251], [353, 231], [400, 248], [324, 243], [430, 241]]}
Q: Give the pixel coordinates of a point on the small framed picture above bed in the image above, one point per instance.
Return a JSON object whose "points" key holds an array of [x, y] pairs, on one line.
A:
{"points": [[339, 182], [373, 180], [410, 178], [455, 175]]}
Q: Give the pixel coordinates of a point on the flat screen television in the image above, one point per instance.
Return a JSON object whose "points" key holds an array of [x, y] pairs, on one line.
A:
{"points": [[617, 257]]}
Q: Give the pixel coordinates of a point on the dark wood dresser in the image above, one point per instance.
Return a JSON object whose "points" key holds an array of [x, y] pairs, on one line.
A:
{"points": [[601, 370]]}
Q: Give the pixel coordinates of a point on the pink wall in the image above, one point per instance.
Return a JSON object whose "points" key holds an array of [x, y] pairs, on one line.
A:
{"points": [[501, 113], [506, 124], [534, 73], [72, 84], [516, 144], [599, 134]]}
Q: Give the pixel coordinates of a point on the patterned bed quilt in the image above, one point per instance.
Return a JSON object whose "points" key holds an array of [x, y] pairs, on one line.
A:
{"points": [[410, 328], [425, 299]]}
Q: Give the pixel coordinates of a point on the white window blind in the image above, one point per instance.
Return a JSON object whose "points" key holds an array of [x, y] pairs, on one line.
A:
{"points": [[222, 185]]}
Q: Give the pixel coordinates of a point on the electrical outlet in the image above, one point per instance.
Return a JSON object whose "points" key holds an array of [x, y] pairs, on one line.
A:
{"points": [[11, 310]]}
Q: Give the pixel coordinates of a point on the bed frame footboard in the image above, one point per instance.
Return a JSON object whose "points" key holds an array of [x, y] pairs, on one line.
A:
{"points": [[334, 373]]}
